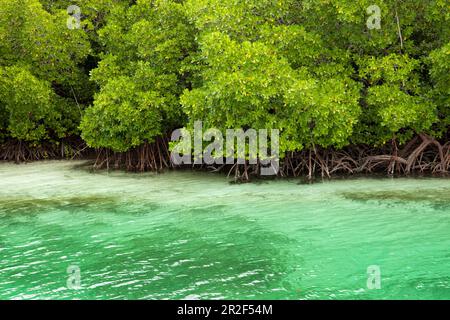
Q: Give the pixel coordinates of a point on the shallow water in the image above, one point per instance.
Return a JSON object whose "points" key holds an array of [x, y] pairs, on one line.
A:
{"points": [[184, 235]]}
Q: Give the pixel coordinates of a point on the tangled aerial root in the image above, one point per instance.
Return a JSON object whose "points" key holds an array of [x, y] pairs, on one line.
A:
{"points": [[423, 154], [147, 157], [18, 151], [420, 159]]}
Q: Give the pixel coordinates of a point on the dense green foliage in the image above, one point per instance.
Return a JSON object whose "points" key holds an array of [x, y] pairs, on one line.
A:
{"points": [[42, 83], [140, 75], [136, 70]]}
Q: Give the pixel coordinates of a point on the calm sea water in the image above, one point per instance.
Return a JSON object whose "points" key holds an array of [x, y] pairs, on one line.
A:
{"points": [[183, 235]]}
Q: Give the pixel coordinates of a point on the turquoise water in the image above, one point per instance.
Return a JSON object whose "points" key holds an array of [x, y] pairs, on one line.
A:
{"points": [[184, 235]]}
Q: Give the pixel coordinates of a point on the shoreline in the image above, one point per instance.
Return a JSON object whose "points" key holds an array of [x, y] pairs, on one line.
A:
{"points": [[88, 164], [423, 155]]}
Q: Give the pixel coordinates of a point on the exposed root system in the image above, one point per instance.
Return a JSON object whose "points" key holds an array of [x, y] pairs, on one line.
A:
{"points": [[18, 151], [423, 154], [148, 157]]}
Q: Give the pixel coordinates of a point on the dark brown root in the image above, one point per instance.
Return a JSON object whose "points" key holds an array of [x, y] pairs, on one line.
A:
{"points": [[423, 154], [415, 160], [19, 151], [147, 157]]}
